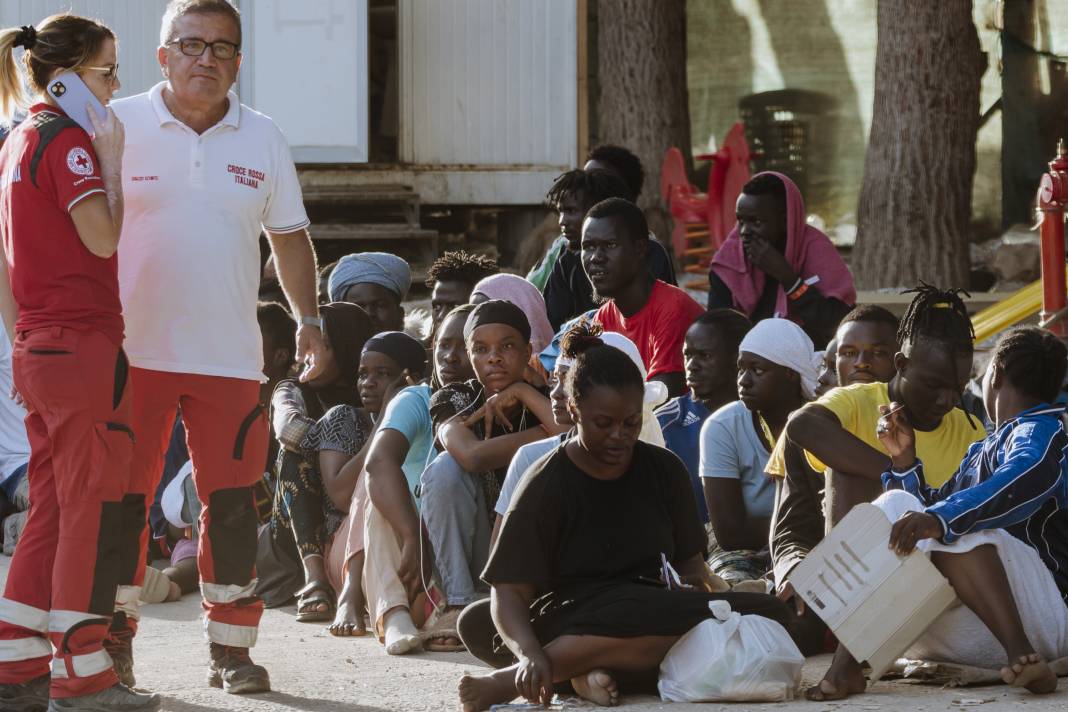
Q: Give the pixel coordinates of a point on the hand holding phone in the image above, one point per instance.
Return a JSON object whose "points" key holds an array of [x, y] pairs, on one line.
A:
{"points": [[109, 141], [78, 102]]}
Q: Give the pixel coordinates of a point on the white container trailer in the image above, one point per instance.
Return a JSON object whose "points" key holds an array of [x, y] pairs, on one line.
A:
{"points": [[487, 96]]}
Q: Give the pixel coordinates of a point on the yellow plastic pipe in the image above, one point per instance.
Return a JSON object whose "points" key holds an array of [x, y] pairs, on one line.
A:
{"points": [[1011, 310]]}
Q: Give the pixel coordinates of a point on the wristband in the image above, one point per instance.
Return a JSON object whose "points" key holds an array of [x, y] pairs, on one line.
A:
{"points": [[796, 294], [316, 321]]}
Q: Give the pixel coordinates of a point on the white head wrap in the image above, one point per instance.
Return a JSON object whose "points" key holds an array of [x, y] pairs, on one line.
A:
{"points": [[655, 391], [783, 342], [173, 501]]}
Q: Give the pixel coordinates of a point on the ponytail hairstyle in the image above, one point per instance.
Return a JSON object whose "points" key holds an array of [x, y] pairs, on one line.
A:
{"points": [[596, 364], [59, 42], [1033, 360], [583, 335]]}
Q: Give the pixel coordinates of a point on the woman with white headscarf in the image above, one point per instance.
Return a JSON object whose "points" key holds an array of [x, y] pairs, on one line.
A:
{"points": [[778, 372]]}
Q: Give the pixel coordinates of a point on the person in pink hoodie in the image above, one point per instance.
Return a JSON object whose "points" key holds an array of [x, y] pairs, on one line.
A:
{"points": [[773, 264]]}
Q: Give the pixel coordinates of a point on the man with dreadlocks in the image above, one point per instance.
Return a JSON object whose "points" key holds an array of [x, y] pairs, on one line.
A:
{"points": [[933, 367], [568, 292], [451, 278], [840, 428], [996, 529]]}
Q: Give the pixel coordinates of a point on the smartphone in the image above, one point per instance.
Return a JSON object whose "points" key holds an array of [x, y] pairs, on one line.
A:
{"points": [[70, 92]]}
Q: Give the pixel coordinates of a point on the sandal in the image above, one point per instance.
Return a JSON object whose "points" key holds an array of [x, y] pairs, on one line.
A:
{"points": [[314, 593], [442, 626]]}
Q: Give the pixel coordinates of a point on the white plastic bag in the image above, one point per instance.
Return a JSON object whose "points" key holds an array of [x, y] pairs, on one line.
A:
{"points": [[732, 658]]}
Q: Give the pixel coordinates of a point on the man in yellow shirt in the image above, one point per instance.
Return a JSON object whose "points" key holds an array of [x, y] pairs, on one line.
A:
{"points": [[933, 367], [840, 429]]}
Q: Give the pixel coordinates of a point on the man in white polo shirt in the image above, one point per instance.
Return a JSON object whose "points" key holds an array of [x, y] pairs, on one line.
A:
{"points": [[202, 175]]}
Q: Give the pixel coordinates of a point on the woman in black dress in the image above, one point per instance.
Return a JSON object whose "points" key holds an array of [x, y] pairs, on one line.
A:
{"points": [[575, 571]]}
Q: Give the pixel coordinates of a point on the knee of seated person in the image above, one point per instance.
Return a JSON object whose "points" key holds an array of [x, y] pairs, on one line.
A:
{"points": [[895, 503], [445, 480], [474, 621], [476, 630], [846, 491]]}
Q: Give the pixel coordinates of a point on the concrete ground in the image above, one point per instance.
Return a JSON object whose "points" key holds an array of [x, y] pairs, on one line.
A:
{"points": [[314, 672]]}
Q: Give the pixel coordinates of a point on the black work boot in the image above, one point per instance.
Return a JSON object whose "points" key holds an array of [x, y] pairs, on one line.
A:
{"points": [[119, 644], [233, 670], [29, 696]]}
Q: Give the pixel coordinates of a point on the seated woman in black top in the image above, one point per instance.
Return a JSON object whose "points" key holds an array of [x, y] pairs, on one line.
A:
{"points": [[773, 264], [576, 591]]}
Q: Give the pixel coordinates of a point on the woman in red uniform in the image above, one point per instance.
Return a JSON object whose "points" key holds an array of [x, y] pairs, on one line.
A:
{"points": [[60, 217]]}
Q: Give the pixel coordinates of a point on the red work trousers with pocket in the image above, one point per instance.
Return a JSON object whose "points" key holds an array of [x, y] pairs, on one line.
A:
{"points": [[61, 585], [226, 432]]}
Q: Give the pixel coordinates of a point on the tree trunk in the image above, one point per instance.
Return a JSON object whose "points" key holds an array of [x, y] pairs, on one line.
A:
{"points": [[643, 103], [915, 201]]}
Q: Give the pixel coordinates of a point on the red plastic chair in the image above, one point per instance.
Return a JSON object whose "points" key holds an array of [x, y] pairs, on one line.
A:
{"points": [[688, 206], [730, 171]]}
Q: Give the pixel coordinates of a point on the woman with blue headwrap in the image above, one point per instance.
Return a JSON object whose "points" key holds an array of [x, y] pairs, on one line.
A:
{"points": [[376, 281]]}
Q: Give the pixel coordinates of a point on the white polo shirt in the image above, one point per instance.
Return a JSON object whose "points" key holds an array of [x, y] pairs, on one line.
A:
{"points": [[189, 253]]}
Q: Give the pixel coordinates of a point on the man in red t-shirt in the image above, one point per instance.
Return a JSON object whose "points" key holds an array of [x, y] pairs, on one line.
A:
{"points": [[652, 314]]}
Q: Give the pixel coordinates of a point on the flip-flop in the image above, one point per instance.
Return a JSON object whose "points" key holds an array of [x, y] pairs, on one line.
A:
{"points": [[442, 625], [316, 592]]}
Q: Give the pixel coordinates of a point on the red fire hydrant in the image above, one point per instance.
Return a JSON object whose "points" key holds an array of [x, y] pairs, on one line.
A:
{"points": [[1052, 197]]}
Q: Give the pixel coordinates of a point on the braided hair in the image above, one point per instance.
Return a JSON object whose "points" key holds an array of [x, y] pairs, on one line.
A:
{"points": [[938, 315], [1033, 360], [596, 364]]}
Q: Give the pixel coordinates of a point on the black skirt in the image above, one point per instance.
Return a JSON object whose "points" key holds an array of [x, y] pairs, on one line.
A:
{"points": [[631, 610]]}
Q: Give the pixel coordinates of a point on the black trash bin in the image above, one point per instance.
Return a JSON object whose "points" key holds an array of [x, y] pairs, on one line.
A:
{"points": [[788, 131]]}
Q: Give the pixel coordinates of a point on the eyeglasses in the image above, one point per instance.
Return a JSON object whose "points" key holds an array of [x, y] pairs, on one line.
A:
{"points": [[111, 73], [194, 47]]}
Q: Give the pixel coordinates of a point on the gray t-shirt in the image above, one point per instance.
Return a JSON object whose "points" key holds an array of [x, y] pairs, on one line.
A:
{"points": [[522, 460], [731, 448]]}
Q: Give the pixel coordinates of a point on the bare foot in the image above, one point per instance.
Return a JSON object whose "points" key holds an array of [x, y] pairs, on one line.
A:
{"points": [[482, 692], [440, 633], [844, 678], [1030, 672], [597, 686], [716, 584], [350, 619]]}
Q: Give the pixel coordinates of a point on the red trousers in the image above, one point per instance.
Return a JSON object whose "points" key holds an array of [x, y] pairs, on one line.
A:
{"points": [[226, 432], [73, 552]]}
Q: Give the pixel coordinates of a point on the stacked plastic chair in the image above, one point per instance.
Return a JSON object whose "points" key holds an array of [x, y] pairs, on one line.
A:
{"points": [[703, 220]]}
